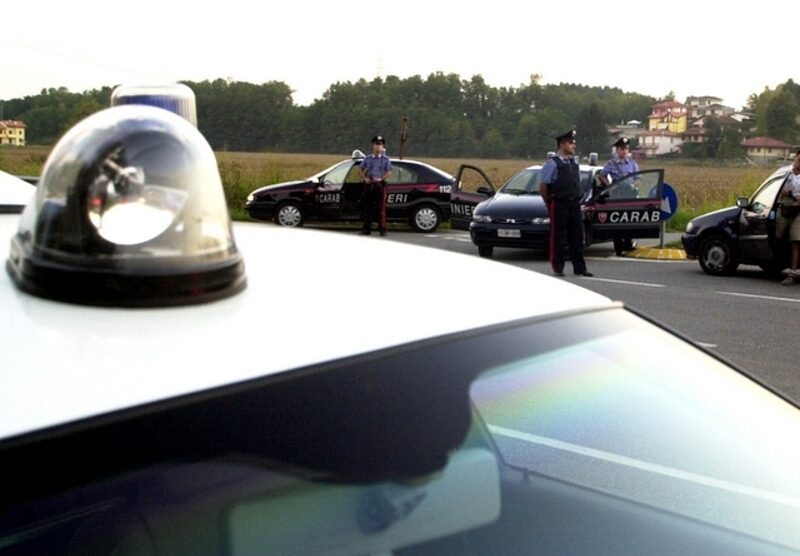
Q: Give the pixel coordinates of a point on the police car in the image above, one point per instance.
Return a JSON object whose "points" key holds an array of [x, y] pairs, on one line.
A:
{"points": [[744, 234], [518, 217], [169, 402], [417, 193], [14, 193]]}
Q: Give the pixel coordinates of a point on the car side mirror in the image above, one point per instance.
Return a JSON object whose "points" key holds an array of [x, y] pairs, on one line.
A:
{"points": [[742, 202], [486, 190]]}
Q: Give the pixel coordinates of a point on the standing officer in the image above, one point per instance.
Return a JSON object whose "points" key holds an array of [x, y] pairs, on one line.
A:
{"points": [[374, 170], [561, 189], [619, 166]]}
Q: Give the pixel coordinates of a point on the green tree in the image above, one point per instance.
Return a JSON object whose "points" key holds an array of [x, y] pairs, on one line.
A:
{"points": [[780, 115], [592, 130], [730, 145], [493, 145]]}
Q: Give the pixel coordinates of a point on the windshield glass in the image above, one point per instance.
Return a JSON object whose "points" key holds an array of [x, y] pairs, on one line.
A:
{"points": [[589, 428], [525, 182]]}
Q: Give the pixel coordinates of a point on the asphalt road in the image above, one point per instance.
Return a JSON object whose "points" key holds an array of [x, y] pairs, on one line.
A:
{"points": [[748, 319]]}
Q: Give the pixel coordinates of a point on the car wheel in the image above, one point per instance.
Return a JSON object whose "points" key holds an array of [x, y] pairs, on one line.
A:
{"points": [[485, 251], [289, 215], [425, 219], [716, 256], [623, 245]]}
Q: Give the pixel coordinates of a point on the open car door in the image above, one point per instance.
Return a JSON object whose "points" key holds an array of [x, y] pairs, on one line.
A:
{"points": [[628, 208], [472, 187]]}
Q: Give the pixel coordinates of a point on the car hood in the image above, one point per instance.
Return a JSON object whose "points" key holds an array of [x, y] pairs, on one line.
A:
{"points": [[504, 205], [267, 189], [711, 218]]}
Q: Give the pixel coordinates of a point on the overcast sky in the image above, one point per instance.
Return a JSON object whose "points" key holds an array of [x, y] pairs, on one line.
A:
{"points": [[689, 47]]}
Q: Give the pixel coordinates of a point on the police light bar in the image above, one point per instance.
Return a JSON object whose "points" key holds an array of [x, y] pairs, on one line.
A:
{"points": [[593, 158], [130, 211], [176, 98]]}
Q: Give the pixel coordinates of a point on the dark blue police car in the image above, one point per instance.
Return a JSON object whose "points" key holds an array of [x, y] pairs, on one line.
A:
{"points": [[416, 192], [518, 217], [743, 234]]}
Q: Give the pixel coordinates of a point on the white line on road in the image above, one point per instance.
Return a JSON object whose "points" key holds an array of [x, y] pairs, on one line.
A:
{"points": [[770, 297], [663, 470], [645, 284], [705, 345]]}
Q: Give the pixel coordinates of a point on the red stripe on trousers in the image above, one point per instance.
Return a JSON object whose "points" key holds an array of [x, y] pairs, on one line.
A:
{"points": [[552, 230], [382, 212]]}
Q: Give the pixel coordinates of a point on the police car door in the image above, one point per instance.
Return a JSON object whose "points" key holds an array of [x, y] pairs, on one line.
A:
{"points": [[329, 194], [352, 194], [471, 187], [629, 208]]}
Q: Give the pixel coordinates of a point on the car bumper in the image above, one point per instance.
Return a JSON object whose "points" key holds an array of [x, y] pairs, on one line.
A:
{"points": [[532, 236], [260, 211], [691, 243]]}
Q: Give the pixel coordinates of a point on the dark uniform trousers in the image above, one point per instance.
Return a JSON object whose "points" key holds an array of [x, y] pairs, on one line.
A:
{"points": [[373, 206], [566, 230], [566, 221]]}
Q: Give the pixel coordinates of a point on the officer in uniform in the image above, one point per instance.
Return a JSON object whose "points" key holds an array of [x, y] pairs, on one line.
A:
{"points": [[561, 189], [375, 169], [619, 166]]}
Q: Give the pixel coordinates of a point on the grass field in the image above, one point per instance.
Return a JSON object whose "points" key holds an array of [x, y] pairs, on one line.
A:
{"points": [[701, 187]]}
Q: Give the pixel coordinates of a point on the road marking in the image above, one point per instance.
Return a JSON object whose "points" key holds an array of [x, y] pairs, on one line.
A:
{"points": [[705, 345], [770, 297], [647, 466], [645, 284], [611, 258]]}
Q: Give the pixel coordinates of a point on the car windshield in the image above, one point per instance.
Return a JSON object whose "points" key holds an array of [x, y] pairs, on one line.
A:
{"points": [[338, 171], [525, 182], [579, 424]]}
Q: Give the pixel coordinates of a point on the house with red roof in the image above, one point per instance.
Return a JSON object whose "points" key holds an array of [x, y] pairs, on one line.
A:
{"points": [[12, 132], [767, 148]]}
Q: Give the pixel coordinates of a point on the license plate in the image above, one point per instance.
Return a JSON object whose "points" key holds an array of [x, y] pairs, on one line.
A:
{"points": [[503, 232]]}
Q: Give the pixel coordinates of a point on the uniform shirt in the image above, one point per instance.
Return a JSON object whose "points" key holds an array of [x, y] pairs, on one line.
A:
{"points": [[550, 170], [792, 185], [618, 168], [375, 167]]}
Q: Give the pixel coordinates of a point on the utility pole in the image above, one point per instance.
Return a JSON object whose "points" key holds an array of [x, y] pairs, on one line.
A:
{"points": [[403, 135]]}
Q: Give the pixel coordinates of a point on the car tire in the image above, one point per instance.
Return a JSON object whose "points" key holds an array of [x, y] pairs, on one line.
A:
{"points": [[623, 245], [425, 218], [716, 256], [289, 215], [485, 251]]}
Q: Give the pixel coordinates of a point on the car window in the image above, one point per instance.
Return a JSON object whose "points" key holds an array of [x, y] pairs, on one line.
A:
{"points": [[764, 199], [586, 180], [526, 181], [336, 176], [587, 403], [402, 174], [354, 174], [642, 185]]}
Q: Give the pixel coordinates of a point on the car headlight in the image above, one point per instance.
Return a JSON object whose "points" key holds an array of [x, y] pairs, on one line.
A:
{"points": [[690, 227], [544, 220], [129, 211], [481, 218], [250, 198]]}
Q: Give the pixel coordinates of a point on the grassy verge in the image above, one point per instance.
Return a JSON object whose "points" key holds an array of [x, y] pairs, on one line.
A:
{"points": [[701, 187]]}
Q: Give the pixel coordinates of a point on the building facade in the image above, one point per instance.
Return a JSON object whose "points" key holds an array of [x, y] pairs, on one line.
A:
{"points": [[767, 149], [12, 132]]}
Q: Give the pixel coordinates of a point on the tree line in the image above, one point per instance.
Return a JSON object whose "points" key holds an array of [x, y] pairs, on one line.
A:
{"points": [[448, 115]]}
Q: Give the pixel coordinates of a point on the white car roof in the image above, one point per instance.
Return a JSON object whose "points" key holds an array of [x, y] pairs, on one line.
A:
{"points": [[14, 191], [311, 297]]}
